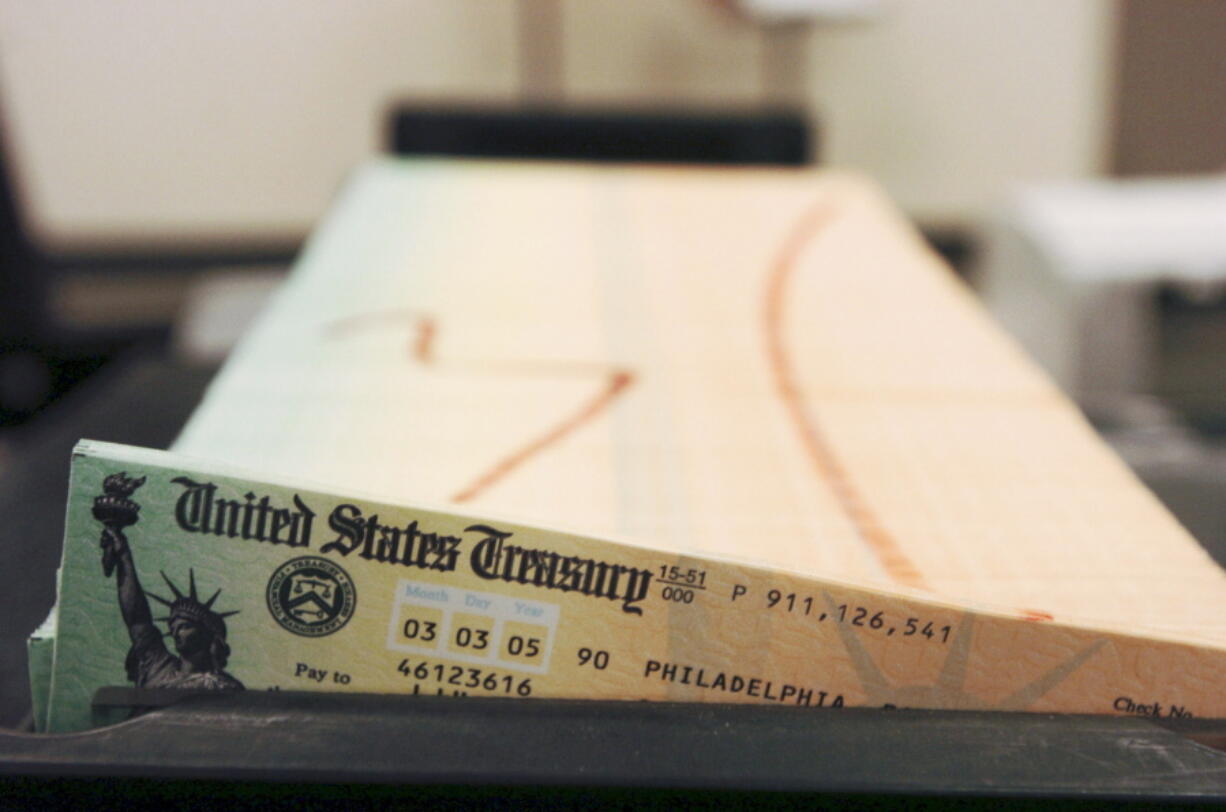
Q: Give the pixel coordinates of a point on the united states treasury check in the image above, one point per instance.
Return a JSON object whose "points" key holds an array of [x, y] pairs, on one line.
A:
{"points": [[178, 574]]}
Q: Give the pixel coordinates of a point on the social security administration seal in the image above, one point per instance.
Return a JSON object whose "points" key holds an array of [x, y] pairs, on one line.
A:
{"points": [[311, 596]]}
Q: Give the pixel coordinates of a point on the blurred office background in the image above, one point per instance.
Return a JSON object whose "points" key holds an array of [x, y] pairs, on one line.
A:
{"points": [[164, 162], [136, 122]]}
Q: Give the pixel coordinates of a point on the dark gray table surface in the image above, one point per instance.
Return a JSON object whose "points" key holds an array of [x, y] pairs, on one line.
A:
{"points": [[431, 741]]}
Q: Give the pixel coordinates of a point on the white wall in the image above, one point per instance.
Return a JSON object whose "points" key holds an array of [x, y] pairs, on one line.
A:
{"points": [[139, 119], [947, 101], [226, 117]]}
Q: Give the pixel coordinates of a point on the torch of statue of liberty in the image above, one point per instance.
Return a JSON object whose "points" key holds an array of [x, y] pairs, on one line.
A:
{"points": [[199, 633]]}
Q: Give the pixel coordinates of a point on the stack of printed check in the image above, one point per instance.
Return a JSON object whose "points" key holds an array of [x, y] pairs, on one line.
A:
{"points": [[665, 434]]}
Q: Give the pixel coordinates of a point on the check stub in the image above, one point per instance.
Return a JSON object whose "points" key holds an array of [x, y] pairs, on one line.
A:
{"points": [[179, 574]]}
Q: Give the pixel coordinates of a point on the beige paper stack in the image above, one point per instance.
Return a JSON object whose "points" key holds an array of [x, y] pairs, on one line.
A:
{"points": [[766, 365]]}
